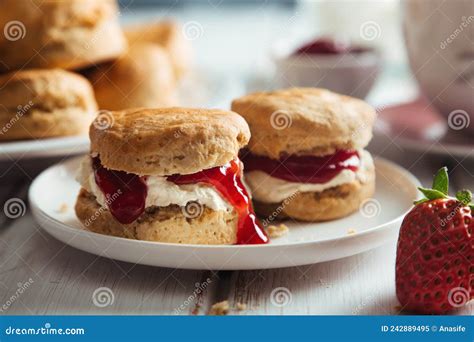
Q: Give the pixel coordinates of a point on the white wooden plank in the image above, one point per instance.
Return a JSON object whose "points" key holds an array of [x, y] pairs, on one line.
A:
{"points": [[64, 279]]}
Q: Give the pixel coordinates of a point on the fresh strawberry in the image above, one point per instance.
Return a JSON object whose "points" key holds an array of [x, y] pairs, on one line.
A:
{"points": [[435, 252]]}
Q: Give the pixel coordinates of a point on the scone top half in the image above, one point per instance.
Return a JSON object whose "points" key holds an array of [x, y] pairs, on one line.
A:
{"points": [[307, 152], [305, 121], [167, 141], [169, 175]]}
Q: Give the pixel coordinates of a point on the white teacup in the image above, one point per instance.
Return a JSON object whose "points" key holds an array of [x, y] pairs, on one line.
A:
{"points": [[439, 37]]}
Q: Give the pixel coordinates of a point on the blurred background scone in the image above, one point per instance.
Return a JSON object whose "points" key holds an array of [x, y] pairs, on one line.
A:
{"points": [[169, 175], [169, 36], [141, 77], [59, 34], [45, 103], [306, 159]]}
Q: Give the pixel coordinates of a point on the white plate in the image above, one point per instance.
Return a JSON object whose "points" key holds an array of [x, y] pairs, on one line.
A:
{"points": [[53, 193], [43, 148]]}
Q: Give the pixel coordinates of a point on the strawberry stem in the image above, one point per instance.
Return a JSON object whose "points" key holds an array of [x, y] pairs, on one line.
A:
{"points": [[464, 196], [440, 190], [441, 180]]}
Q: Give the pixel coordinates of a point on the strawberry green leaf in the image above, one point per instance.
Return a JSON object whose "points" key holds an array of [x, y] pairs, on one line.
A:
{"points": [[464, 196], [441, 180], [423, 200], [471, 206], [432, 194]]}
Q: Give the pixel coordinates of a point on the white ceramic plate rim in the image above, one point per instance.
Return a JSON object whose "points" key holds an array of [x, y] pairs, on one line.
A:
{"points": [[58, 224], [48, 147]]}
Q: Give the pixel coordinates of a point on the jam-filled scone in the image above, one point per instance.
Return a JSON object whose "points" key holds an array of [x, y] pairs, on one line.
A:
{"points": [[45, 103], [306, 159], [169, 175]]}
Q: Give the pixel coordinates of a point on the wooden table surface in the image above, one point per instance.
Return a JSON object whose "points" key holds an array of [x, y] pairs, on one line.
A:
{"points": [[57, 279]]}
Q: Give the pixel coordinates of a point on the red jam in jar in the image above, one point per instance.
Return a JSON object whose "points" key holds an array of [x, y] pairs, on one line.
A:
{"points": [[303, 169], [327, 46]]}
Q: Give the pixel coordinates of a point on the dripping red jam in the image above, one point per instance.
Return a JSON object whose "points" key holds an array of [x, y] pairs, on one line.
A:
{"points": [[303, 169], [126, 193], [227, 181]]}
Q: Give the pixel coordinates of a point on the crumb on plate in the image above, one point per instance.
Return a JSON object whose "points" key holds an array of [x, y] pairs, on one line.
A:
{"points": [[63, 208], [351, 231], [277, 231]]}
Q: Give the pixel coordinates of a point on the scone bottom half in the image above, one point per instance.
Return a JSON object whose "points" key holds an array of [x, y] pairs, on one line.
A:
{"points": [[309, 188], [207, 206]]}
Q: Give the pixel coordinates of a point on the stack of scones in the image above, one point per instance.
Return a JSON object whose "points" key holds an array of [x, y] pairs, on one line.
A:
{"points": [[62, 61]]}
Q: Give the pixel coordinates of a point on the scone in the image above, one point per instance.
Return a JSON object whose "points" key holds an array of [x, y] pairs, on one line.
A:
{"points": [[168, 35], [142, 77], [306, 159], [45, 103], [59, 34], [168, 175]]}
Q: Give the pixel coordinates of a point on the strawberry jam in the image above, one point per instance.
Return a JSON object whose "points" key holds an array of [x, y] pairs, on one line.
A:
{"points": [[227, 181], [327, 46], [125, 193], [303, 169]]}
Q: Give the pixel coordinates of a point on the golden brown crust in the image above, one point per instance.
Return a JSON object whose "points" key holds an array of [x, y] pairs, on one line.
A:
{"points": [[168, 141], [327, 205], [59, 34], [304, 121], [142, 77], [44, 103], [161, 224], [168, 35]]}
